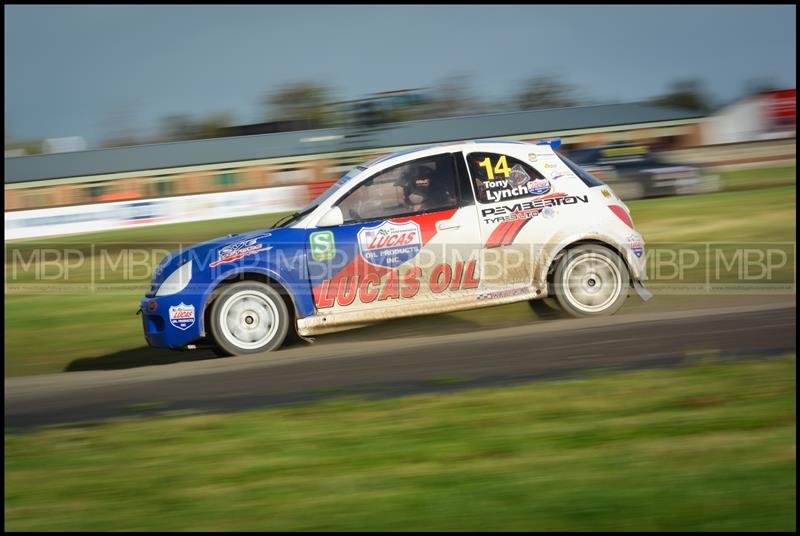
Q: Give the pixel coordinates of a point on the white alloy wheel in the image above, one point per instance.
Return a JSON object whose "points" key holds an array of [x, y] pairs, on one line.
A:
{"points": [[591, 280], [249, 317]]}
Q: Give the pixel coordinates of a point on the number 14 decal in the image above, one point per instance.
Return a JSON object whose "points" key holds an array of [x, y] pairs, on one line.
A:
{"points": [[501, 168]]}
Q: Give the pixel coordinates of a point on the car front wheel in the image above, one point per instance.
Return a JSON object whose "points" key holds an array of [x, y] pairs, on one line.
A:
{"points": [[591, 280], [249, 317]]}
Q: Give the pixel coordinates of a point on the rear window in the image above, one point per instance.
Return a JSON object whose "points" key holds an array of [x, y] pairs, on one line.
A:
{"points": [[499, 177], [587, 178], [584, 156]]}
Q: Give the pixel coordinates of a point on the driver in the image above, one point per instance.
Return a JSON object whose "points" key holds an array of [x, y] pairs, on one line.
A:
{"points": [[424, 189]]}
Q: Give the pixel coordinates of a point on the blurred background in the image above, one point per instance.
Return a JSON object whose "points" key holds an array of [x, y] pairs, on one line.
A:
{"points": [[131, 131], [180, 101]]}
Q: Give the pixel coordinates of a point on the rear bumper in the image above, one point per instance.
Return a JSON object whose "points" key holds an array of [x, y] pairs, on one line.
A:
{"points": [[643, 293]]}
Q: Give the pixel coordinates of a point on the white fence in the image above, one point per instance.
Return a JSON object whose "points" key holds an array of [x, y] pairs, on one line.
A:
{"points": [[142, 212]]}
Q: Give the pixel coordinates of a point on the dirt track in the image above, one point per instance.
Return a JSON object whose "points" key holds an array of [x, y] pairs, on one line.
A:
{"points": [[559, 348]]}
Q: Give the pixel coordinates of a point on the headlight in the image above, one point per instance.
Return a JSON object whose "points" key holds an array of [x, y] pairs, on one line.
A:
{"points": [[176, 281]]}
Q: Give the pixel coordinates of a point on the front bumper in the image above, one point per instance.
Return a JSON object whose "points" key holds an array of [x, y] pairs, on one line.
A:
{"points": [[171, 321]]}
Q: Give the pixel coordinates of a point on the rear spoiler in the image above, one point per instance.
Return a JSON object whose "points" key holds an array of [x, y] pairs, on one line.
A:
{"points": [[554, 144]]}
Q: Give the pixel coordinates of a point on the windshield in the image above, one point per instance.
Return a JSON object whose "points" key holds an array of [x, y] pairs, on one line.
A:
{"points": [[322, 197], [337, 185]]}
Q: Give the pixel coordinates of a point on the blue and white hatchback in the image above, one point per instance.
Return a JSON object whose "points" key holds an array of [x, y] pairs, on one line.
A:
{"points": [[430, 230]]}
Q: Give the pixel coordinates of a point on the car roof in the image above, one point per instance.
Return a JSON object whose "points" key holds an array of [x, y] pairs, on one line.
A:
{"points": [[446, 147]]}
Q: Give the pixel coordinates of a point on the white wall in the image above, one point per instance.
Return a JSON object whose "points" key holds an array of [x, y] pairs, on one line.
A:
{"points": [[143, 212], [742, 121]]}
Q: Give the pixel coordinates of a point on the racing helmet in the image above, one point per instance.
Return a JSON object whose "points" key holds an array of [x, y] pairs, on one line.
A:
{"points": [[418, 183]]}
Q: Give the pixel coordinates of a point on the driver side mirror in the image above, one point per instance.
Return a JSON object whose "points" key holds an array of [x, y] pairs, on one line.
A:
{"points": [[332, 218]]}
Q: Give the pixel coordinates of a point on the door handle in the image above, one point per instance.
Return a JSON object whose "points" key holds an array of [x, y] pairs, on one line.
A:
{"points": [[444, 226]]}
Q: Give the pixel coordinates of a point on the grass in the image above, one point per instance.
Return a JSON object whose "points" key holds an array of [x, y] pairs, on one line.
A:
{"points": [[765, 215], [83, 323], [71, 319], [707, 447], [763, 177]]}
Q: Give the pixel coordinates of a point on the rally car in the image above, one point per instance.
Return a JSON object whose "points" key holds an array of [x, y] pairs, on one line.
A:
{"points": [[635, 172], [429, 230]]}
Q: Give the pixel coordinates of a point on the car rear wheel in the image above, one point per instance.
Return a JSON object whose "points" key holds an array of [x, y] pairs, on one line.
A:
{"points": [[591, 280], [249, 317]]}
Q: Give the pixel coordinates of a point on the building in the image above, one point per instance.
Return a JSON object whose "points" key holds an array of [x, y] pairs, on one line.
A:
{"points": [[767, 115], [313, 157]]}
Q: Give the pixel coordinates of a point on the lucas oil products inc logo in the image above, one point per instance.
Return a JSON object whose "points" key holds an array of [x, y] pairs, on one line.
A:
{"points": [[636, 246], [181, 316], [390, 244], [539, 186]]}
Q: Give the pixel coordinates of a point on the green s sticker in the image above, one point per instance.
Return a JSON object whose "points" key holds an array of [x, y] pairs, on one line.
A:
{"points": [[323, 247]]}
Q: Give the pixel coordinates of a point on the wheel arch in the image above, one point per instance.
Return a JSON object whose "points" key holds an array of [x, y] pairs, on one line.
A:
{"points": [[545, 272], [260, 277]]}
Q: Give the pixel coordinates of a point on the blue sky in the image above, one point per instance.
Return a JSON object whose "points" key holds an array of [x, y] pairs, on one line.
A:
{"points": [[90, 70]]}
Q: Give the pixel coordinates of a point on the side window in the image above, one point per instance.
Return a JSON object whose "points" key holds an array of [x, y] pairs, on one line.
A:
{"points": [[424, 185], [499, 177]]}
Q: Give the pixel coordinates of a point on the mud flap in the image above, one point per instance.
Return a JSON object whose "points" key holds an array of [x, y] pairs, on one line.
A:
{"points": [[643, 293]]}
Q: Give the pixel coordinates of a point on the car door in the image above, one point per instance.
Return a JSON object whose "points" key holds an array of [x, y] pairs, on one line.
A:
{"points": [[510, 195], [408, 240]]}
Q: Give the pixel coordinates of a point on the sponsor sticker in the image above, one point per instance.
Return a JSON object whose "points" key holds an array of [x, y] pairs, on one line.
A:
{"points": [[181, 316], [238, 250], [530, 209], [502, 189], [549, 166], [636, 246], [323, 246], [390, 244], [605, 193], [518, 176], [549, 213], [397, 284], [532, 157], [539, 187], [496, 294]]}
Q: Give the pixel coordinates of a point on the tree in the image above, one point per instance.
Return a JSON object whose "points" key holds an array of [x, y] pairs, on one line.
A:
{"points": [[452, 96], [545, 91], [688, 94], [299, 101], [21, 147], [182, 127], [177, 127], [213, 125]]}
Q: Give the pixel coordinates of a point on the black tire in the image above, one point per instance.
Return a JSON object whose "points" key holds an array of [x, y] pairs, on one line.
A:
{"points": [[590, 280], [261, 325], [546, 308]]}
